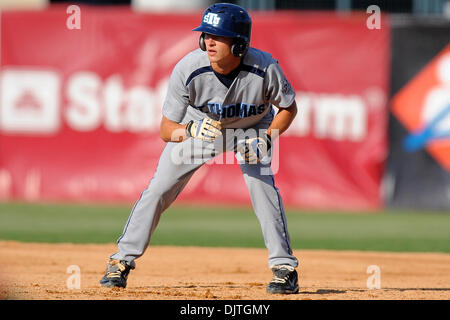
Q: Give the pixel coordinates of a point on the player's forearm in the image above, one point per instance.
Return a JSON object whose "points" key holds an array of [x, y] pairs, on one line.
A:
{"points": [[171, 131], [282, 120]]}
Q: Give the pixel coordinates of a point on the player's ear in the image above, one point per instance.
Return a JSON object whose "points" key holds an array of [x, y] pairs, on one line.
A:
{"points": [[201, 42]]}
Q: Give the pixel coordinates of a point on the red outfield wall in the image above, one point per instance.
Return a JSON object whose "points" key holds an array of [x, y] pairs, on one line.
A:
{"points": [[80, 109]]}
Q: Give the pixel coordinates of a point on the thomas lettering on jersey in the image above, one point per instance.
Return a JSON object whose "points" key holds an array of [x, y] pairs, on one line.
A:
{"points": [[240, 109]]}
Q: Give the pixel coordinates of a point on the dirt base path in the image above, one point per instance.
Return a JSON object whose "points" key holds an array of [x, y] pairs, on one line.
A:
{"points": [[40, 271]]}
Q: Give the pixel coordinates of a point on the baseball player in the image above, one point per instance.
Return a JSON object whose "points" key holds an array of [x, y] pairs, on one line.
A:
{"points": [[219, 99]]}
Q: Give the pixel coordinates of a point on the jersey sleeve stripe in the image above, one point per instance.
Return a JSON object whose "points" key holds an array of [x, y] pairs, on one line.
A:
{"points": [[254, 70], [198, 72], [244, 67]]}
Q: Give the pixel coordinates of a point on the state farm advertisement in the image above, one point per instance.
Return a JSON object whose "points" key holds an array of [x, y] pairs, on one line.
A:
{"points": [[80, 107]]}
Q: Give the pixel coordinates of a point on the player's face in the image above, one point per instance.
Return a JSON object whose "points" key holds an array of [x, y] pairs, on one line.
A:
{"points": [[218, 48]]}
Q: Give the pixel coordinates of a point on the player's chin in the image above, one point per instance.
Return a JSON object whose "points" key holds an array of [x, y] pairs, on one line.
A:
{"points": [[218, 60], [213, 58]]}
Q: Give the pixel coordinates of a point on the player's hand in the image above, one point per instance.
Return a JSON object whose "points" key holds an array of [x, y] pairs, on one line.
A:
{"points": [[206, 129], [254, 150]]}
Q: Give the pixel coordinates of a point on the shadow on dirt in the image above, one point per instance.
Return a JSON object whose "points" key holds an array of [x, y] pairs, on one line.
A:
{"points": [[417, 289], [334, 291], [323, 291]]}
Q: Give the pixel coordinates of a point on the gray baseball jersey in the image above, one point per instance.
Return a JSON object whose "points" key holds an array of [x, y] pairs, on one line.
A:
{"points": [[195, 92]]}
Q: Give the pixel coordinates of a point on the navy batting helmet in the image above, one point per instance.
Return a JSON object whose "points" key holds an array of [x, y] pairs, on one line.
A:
{"points": [[227, 20]]}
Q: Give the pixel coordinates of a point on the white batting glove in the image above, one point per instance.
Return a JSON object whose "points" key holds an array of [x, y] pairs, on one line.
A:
{"points": [[206, 129], [254, 150]]}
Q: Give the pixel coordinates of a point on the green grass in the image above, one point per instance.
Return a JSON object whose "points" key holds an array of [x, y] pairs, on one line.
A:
{"points": [[229, 227]]}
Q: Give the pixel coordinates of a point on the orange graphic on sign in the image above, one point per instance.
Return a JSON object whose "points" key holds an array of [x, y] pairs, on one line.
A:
{"points": [[423, 107]]}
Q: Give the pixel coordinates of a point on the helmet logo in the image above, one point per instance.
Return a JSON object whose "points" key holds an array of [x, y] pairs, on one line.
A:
{"points": [[211, 18]]}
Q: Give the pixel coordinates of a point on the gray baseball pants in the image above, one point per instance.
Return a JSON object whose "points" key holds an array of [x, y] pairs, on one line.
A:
{"points": [[177, 164]]}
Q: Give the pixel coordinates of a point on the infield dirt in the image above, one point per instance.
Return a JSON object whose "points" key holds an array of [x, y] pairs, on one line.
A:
{"points": [[40, 271]]}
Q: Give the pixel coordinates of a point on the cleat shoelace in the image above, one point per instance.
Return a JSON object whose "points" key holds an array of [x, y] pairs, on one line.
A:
{"points": [[280, 280], [115, 273], [281, 274]]}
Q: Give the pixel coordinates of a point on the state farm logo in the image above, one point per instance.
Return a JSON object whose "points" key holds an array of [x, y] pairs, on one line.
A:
{"points": [[35, 102], [40, 102], [423, 107], [30, 101]]}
